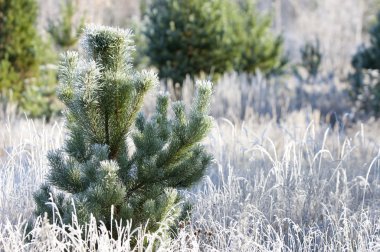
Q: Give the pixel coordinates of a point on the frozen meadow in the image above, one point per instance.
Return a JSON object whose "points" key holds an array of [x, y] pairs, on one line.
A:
{"points": [[284, 178], [295, 168]]}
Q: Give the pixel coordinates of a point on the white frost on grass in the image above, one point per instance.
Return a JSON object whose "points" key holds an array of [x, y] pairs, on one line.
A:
{"points": [[294, 187], [23, 164]]}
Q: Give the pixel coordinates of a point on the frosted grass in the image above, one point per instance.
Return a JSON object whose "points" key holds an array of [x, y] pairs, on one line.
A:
{"points": [[297, 186], [23, 147]]}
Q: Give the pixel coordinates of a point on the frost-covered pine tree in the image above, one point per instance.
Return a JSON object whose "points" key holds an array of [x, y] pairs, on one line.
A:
{"points": [[98, 167]]}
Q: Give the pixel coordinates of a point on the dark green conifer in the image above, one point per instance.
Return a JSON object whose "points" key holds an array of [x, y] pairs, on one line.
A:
{"points": [[190, 37], [114, 155]]}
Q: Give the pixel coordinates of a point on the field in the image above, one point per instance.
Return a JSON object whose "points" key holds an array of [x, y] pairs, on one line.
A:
{"points": [[296, 163], [288, 182]]}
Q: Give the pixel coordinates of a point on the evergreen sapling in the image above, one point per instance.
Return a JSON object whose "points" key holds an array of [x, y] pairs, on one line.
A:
{"points": [[97, 167]]}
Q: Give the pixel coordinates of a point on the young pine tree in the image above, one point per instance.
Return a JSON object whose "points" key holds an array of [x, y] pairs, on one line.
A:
{"points": [[97, 167]]}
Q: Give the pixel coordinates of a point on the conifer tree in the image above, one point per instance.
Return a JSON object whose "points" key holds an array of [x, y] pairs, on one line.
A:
{"points": [[18, 38], [97, 167], [190, 37], [259, 48]]}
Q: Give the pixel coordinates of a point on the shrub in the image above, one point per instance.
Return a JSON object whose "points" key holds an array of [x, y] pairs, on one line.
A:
{"points": [[365, 81], [98, 168], [190, 37]]}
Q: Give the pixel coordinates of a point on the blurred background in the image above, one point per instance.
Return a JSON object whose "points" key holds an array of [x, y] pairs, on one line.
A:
{"points": [[273, 57]]}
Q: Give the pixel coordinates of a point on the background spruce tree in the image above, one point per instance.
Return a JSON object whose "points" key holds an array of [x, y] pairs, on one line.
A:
{"points": [[96, 167], [18, 41], [259, 48], [365, 80], [190, 37]]}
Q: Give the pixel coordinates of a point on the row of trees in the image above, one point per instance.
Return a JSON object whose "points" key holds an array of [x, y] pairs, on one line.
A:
{"points": [[240, 39], [197, 37], [180, 38]]}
